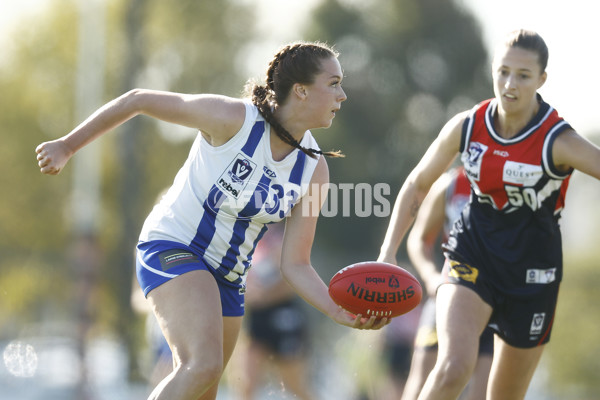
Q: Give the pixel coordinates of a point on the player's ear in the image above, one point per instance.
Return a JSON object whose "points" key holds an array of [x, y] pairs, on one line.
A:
{"points": [[542, 80], [299, 90]]}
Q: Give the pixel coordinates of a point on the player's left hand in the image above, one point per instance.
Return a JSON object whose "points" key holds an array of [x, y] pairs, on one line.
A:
{"points": [[372, 323]]}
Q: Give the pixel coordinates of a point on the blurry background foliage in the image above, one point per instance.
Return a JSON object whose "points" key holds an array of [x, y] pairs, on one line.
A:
{"points": [[409, 64]]}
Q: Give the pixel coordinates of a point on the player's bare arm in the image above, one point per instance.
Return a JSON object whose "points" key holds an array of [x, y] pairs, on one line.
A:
{"points": [[218, 117], [438, 157], [296, 267], [572, 150]]}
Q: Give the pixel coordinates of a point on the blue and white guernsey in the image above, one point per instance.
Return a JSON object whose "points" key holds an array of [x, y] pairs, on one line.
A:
{"points": [[223, 197]]}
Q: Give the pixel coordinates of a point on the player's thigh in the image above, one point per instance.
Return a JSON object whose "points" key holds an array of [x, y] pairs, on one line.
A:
{"points": [[512, 370], [188, 309], [461, 316]]}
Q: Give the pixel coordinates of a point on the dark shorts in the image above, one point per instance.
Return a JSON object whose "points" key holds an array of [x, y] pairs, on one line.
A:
{"points": [[522, 318], [427, 335], [397, 356], [159, 261], [281, 328]]}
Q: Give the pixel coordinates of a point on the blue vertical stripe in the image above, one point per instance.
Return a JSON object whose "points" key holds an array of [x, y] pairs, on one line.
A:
{"points": [[254, 138], [206, 227], [253, 207], [298, 169]]}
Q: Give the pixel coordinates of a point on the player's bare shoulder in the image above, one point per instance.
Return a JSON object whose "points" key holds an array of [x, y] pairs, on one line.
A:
{"points": [[223, 117], [450, 134]]}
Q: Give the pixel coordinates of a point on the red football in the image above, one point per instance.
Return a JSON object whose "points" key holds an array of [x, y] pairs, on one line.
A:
{"points": [[375, 288]]}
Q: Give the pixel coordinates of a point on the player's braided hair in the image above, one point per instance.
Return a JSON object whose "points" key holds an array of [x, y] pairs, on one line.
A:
{"points": [[294, 63]]}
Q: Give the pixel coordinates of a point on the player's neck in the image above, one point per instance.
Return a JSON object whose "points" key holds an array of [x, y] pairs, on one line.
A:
{"points": [[509, 124]]}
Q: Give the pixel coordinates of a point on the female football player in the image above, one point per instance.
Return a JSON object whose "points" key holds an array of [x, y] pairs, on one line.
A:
{"points": [[503, 257], [252, 161]]}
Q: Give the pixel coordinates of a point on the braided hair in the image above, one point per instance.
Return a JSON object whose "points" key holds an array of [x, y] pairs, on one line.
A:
{"points": [[294, 63]]}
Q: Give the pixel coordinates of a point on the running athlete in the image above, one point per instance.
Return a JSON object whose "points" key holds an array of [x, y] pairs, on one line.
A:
{"points": [[503, 257], [442, 206], [251, 162]]}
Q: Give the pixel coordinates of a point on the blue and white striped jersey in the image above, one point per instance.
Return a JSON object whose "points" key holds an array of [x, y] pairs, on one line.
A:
{"points": [[223, 197]]}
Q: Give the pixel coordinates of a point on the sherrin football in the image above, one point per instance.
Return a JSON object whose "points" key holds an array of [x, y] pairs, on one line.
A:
{"points": [[375, 288]]}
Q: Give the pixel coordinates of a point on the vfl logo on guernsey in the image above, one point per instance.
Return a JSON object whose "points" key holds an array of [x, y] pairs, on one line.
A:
{"points": [[521, 174], [472, 159], [235, 178]]}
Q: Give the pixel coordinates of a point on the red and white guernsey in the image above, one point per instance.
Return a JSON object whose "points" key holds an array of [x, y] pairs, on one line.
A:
{"points": [[511, 224], [519, 172]]}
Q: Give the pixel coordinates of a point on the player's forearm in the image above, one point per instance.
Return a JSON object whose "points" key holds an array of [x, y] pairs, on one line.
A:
{"points": [[309, 285], [404, 212], [107, 117]]}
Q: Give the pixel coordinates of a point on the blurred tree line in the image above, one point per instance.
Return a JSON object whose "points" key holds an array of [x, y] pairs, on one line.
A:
{"points": [[409, 64]]}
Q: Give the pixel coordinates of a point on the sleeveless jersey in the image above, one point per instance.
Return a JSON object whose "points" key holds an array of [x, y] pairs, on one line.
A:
{"points": [[223, 197], [510, 227]]}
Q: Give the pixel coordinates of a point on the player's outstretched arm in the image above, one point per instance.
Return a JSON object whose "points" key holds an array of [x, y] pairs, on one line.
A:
{"points": [[295, 262], [218, 117], [438, 157]]}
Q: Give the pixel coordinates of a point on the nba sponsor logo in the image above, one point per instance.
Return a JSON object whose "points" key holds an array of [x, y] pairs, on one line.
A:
{"points": [[537, 323], [234, 179]]}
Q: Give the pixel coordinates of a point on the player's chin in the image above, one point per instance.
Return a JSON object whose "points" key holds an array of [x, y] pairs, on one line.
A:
{"points": [[327, 122]]}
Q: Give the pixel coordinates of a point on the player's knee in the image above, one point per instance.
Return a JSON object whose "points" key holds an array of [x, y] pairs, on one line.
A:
{"points": [[454, 371], [200, 374]]}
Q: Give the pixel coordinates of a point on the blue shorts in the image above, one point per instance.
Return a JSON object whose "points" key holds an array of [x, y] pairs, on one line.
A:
{"points": [[159, 261]]}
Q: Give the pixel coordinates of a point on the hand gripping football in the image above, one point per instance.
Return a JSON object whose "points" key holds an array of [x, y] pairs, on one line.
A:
{"points": [[375, 288]]}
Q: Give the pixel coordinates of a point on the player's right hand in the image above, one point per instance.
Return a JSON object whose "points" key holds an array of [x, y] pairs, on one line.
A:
{"points": [[52, 156]]}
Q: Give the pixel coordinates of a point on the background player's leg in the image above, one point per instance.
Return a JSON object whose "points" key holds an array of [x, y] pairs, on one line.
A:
{"points": [[422, 363], [477, 387], [512, 370], [231, 329], [461, 317]]}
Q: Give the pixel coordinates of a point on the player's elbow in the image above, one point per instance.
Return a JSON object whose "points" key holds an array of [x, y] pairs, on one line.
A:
{"points": [[134, 99], [287, 270]]}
